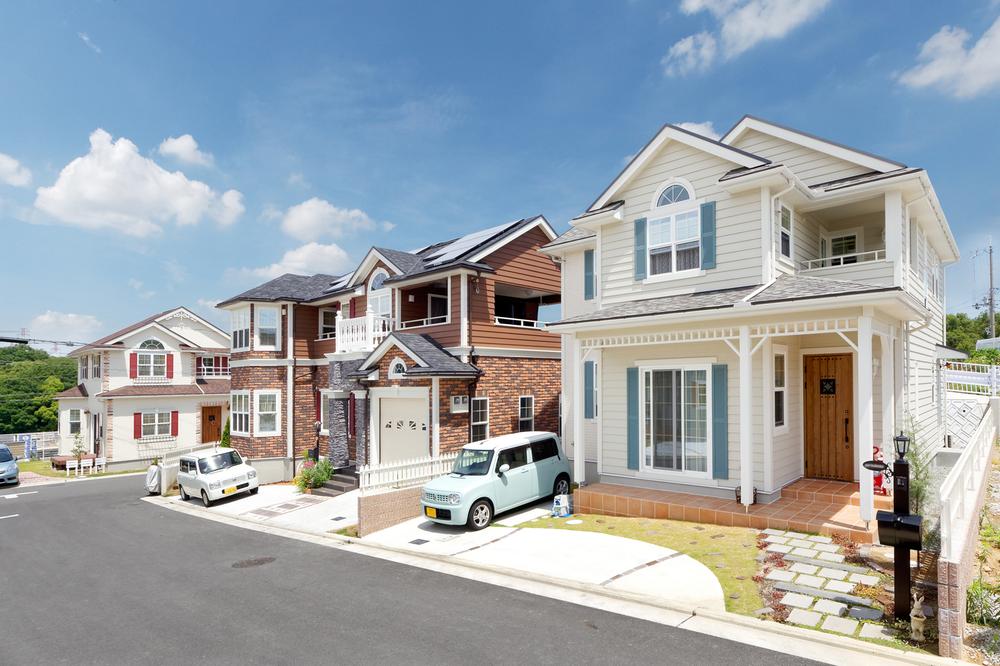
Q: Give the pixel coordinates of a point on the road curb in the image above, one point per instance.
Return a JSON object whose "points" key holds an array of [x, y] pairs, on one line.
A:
{"points": [[839, 643]]}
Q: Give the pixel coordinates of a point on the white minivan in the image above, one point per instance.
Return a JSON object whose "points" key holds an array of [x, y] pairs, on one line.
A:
{"points": [[215, 473]]}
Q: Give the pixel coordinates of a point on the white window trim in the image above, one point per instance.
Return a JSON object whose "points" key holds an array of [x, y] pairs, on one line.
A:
{"points": [[319, 325], [686, 184], [239, 317], [83, 365], [152, 354], [790, 258], [277, 328], [384, 291], [232, 417], [324, 406], [680, 364], [258, 432], [859, 241], [447, 306], [472, 412], [78, 421], [597, 392], [393, 373], [779, 350], [520, 418], [156, 436], [657, 213]]}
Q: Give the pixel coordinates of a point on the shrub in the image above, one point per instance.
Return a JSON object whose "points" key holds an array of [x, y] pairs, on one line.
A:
{"points": [[225, 435], [313, 474], [982, 604], [985, 356]]}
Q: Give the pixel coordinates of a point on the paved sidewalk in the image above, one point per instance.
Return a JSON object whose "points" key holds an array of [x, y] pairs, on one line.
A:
{"points": [[612, 562], [282, 505]]}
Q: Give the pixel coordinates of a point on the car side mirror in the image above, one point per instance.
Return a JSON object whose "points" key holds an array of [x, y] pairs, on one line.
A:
{"points": [[504, 468]]}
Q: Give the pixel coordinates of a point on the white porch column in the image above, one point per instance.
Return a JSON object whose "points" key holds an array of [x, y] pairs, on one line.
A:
{"points": [[899, 401], [865, 429], [894, 234], [746, 417], [369, 328], [576, 405], [888, 395]]}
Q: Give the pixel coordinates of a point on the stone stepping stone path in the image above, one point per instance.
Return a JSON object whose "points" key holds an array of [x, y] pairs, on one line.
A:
{"points": [[819, 587]]}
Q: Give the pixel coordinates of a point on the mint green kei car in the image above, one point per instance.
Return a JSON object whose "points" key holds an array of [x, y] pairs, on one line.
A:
{"points": [[495, 475]]}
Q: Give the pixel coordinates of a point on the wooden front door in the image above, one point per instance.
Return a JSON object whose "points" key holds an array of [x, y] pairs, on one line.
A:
{"points": [[829, 416], [211, 424]]}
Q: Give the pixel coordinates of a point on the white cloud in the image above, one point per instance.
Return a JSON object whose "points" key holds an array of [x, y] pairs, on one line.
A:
{"points": [[317, 218], [743, 24], [308, 259], [140, 289], [946, 64], [208, 303], [297, 179], [85, 38], [13, 173], [61, 326], [114, 187], [704, 129], [185, 149]]}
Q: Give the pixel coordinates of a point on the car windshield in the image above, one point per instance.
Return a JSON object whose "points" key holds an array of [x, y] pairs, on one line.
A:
{"points": [[475, 462], [220, 461], [5, 455]]}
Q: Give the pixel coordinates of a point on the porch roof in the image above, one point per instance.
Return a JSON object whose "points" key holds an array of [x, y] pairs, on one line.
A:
{"points": [[199, 387], [784, 288], [431, 358]]}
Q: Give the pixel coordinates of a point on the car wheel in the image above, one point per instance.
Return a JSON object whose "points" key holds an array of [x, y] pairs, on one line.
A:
{"points": [[480, 515], [184, 495], [562, 486], [204, 499]]}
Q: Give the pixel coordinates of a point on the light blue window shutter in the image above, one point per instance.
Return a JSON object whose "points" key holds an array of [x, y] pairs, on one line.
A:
{"points": [[588, 390], [632, 398], [640, 249], [588, 275], [720, 421], [708, 235]]}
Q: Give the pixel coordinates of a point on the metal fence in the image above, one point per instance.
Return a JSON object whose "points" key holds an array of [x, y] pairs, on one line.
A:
{"points": [[44, 445], [404, 473]]}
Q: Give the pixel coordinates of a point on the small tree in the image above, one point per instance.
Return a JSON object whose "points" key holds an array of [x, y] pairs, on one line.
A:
{"points": [[225, 434], [78, 449]]}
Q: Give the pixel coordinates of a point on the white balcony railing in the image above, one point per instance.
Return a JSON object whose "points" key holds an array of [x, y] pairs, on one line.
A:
{"points": [[518, 323], [209, 373], [843, 260], [360, 334], [429, 321]]}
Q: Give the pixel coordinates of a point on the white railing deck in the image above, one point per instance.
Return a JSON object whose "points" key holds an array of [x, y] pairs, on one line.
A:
{"points": [[852, 259], [404, 473], [356, 334], [518, 323], [974, 378], [960, 490], [429, 321]]}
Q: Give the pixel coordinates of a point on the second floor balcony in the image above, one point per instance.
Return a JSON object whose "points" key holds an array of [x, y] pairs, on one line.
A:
{"points": [[361, 334]]}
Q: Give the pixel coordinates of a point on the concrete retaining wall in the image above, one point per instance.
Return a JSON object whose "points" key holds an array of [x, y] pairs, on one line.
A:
{"points": [[379, 511]]}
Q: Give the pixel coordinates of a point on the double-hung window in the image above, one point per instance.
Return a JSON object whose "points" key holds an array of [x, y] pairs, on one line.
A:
{"points": [[83, 367], [266, 326], [155, 424], [267, 415], [74, 421], [526, 413], [674, 233], [785, 232], [676, 427], [480, 419], [327, 324], [779, 388], [240, 323], [239, 402], [151, 360]]}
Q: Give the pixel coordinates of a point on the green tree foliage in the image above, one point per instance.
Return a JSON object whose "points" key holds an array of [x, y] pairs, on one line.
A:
{"points": [[29, 378], [964, 331]]}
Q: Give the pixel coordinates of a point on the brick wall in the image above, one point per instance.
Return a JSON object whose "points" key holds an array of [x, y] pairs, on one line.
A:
{"points": [[377, 512], [308, 380], [504, 380], [250, 378]]}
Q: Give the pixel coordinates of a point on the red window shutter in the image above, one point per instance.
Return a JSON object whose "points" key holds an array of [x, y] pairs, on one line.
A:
{"points": [[197, 364], [351, 417], [173, 423], [133, 365], [354, 307], [137, 423], [224, 362], [170, 366]]}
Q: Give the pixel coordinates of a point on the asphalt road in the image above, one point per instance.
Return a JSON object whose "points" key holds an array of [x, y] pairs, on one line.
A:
{"points": [[92, 574]]}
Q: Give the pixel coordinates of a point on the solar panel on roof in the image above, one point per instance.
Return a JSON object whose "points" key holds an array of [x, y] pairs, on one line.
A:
{"points": [[338, 283], [460, 246]]}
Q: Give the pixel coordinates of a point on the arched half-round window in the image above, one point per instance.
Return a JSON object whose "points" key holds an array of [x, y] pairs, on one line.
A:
{"points": [[673, 194], [151, 344], [397, 369]]}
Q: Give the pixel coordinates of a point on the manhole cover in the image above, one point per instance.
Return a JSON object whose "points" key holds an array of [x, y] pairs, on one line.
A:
{"points": [[419, 542], [253, 562]]}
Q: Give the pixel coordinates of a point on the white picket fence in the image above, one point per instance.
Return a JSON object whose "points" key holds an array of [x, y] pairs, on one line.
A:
{"points": [[975, 378], [403, 473], [960, 490]]}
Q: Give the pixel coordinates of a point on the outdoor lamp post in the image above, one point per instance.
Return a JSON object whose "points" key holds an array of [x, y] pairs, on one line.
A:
{"points": [[902, 443], [315, 454]]}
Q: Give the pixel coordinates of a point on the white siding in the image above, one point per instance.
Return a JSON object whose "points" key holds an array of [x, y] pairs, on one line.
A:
{"points": [[810, 166], [573, 304], [738, 256]]}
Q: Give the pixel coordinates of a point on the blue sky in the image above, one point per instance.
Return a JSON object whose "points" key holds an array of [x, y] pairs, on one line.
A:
{"points": [[216, 144]]}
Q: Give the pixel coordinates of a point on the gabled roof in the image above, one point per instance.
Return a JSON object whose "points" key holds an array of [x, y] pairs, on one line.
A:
{"points": [[811, 141], [674, 133], [574, 235], [287, 287], [199, 387], [151, 321], [430, 358], [78, 391]]}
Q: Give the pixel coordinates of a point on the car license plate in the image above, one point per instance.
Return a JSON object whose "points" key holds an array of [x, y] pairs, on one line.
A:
{"points": [[431, 512], [229, 491]]}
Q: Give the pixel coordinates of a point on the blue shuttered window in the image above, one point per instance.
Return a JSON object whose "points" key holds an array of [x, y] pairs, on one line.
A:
{"points": [[632, 400], [588, 275], [640, 249], [708, 235], [720, 421], [588, 390]]}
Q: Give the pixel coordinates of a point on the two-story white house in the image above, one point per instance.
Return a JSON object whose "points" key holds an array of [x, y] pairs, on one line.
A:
{"points": [[155, 386], [745, 313]]}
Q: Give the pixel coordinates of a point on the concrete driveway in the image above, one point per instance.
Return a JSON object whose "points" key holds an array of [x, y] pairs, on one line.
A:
{"points": [[587, 557]]}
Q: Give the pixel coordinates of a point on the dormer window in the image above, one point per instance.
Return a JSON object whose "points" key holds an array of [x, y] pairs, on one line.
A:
{"points": [[674, 232], [151, 360]]}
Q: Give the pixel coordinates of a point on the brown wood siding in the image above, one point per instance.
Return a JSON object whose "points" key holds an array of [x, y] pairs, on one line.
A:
{"points": [[519, 262], [485, 333], [306, 328], [446, 335]]}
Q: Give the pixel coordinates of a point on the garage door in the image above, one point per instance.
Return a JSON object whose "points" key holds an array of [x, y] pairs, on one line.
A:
{"points": [[403, 429]]}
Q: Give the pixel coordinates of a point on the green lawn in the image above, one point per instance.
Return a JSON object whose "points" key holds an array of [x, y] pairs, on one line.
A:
{"points": [[729, 552], [44, 468]]}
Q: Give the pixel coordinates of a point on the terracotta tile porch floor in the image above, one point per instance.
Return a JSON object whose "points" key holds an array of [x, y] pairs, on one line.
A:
{"points": [[808, 505]]}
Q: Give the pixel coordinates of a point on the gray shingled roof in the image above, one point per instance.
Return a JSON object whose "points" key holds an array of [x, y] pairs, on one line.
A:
{"points": [[574, 234], [288, 287], [404, 261], [785, 288], [439, 362]]}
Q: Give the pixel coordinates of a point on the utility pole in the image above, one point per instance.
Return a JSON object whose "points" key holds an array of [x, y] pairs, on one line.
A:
{"points": [[992, 305]]}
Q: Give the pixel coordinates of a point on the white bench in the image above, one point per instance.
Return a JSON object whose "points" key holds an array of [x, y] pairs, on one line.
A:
{"points": [[86, 464], [72, 465], [101, 464]]}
